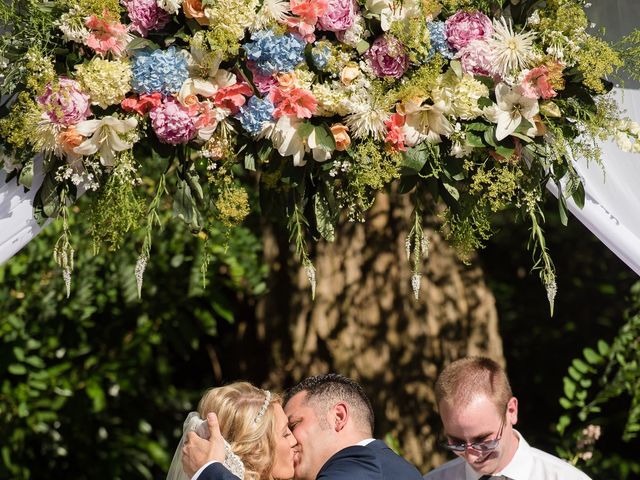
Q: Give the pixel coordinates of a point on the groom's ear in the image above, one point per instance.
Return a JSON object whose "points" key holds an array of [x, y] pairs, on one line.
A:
{"points": [[340, 416]]}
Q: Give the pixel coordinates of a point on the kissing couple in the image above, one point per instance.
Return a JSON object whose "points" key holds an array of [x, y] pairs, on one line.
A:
{"points": [[320, 429]]}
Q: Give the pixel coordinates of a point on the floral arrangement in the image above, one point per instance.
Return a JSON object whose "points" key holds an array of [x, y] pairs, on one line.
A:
{"points": [[474, 103]]}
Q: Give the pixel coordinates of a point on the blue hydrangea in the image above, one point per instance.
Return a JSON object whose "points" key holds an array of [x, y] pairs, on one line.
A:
{"points": [[273, 53], [320, 55], [254, 114], [439, 42], [159, 71]]}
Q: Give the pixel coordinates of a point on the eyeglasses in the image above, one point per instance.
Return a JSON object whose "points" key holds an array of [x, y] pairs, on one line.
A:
{"points": [[482, 447]]}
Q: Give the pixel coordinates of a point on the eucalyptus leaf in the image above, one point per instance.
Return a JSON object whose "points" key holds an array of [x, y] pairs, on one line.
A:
{"points": [[305, 129], [184, 206], [26, 175], [325, 220], [578, 195], [415, 158], [562, 209], [453, 191], [324, 137]]}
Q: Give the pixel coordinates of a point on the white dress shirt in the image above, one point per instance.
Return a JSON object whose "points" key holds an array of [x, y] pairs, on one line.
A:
{"points": [[528, 463]]}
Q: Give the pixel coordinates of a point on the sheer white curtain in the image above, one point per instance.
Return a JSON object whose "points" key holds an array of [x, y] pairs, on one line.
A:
{"points": [[612, 204], [17, 225]]}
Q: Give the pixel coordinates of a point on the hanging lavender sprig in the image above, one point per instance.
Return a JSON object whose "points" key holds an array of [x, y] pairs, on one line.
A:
{"points": [[543, 262], [152, 219], [63, 252], [417, 248], [297, 225]]}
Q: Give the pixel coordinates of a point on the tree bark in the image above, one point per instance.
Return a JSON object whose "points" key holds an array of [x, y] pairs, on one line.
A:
{"points": [[365, 322]]}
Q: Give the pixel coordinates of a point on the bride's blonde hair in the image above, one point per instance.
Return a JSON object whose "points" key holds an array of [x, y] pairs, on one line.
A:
{"points": [[238, 406]]}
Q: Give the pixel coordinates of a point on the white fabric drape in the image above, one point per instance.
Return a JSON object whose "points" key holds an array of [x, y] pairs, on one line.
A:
{"points": [[612, 201], [17, 225]]}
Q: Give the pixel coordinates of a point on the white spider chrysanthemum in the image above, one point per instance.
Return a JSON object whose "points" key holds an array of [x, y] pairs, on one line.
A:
{"points": [[510, 52], [368, 123], [272, 11]]}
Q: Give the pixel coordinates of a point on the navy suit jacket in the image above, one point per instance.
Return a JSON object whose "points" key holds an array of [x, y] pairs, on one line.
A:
{"points": [[375, 461]]}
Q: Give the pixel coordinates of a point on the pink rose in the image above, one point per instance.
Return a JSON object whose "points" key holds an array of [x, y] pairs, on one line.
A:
{"points": [[387, 57], [339, 15], [172, 123], [64, 103], [464, 27]]}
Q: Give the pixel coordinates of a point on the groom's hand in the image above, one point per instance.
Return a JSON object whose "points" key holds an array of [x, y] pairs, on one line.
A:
{"points": [[198, 451]]}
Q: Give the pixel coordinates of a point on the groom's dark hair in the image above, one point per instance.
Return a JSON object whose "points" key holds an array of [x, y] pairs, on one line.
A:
{"points": [[324, 391]]}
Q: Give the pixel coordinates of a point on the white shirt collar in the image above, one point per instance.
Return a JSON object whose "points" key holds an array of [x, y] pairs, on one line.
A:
{"points": [[517, 469], [365, 442]]}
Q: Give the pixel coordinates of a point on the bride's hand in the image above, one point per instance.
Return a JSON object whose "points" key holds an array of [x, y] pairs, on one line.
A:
{"points": [[198, 451]]}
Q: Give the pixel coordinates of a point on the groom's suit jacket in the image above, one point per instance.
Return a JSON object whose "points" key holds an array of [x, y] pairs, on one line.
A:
{"points": [[375, 461]]}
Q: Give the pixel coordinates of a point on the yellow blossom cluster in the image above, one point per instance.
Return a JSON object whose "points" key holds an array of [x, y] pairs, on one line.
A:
{"points": [[106, 81], [460, 94]]}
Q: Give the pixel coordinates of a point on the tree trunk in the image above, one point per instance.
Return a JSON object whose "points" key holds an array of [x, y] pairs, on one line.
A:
{"points": [[365, 322]]}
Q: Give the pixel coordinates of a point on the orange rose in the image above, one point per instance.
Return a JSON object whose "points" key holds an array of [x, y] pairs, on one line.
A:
{"points": [[193, 9], [349, 73], [287, 81], [70, 139], [341, 136]]}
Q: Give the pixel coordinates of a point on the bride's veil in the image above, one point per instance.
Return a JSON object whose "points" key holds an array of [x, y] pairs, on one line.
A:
{"points": [[194, 423]]}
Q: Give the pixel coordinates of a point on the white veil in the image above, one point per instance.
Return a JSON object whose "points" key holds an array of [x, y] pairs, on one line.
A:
{"points": [[194, 423]]}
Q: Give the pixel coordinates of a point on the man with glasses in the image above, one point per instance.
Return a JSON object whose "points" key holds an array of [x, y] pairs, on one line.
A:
{"points": [[478, 412]]}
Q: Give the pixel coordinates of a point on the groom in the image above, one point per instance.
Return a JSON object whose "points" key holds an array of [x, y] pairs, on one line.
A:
{"points": [[332, 421]]}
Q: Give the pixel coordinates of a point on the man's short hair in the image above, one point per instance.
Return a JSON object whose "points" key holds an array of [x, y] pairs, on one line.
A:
{"points": [[468, 377], [324, 391]]}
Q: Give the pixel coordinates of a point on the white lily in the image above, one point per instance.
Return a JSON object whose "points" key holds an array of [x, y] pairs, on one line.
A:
{"points": [[203, 63], [287, 141], [320, 152], [104, 135], [510, 108], [425, 123], [196, 86], [392, 10]]}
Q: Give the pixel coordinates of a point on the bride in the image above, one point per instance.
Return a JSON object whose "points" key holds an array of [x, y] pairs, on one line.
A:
{"points": [[257, 439]]}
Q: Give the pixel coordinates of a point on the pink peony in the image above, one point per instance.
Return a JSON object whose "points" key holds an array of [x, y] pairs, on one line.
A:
{"points": [[146, 15], [475, 58], [387, 57], [172, 123], [64, 103], [295, 102], [463, 27], [339, 16], [536, 84]]}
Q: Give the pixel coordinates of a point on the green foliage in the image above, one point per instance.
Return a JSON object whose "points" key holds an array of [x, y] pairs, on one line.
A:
{"points": [[629, 50], [97, 386], [599, 381]]}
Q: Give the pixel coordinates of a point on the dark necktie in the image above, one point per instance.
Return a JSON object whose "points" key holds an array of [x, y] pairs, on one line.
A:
{"points": [[494, 477]]}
